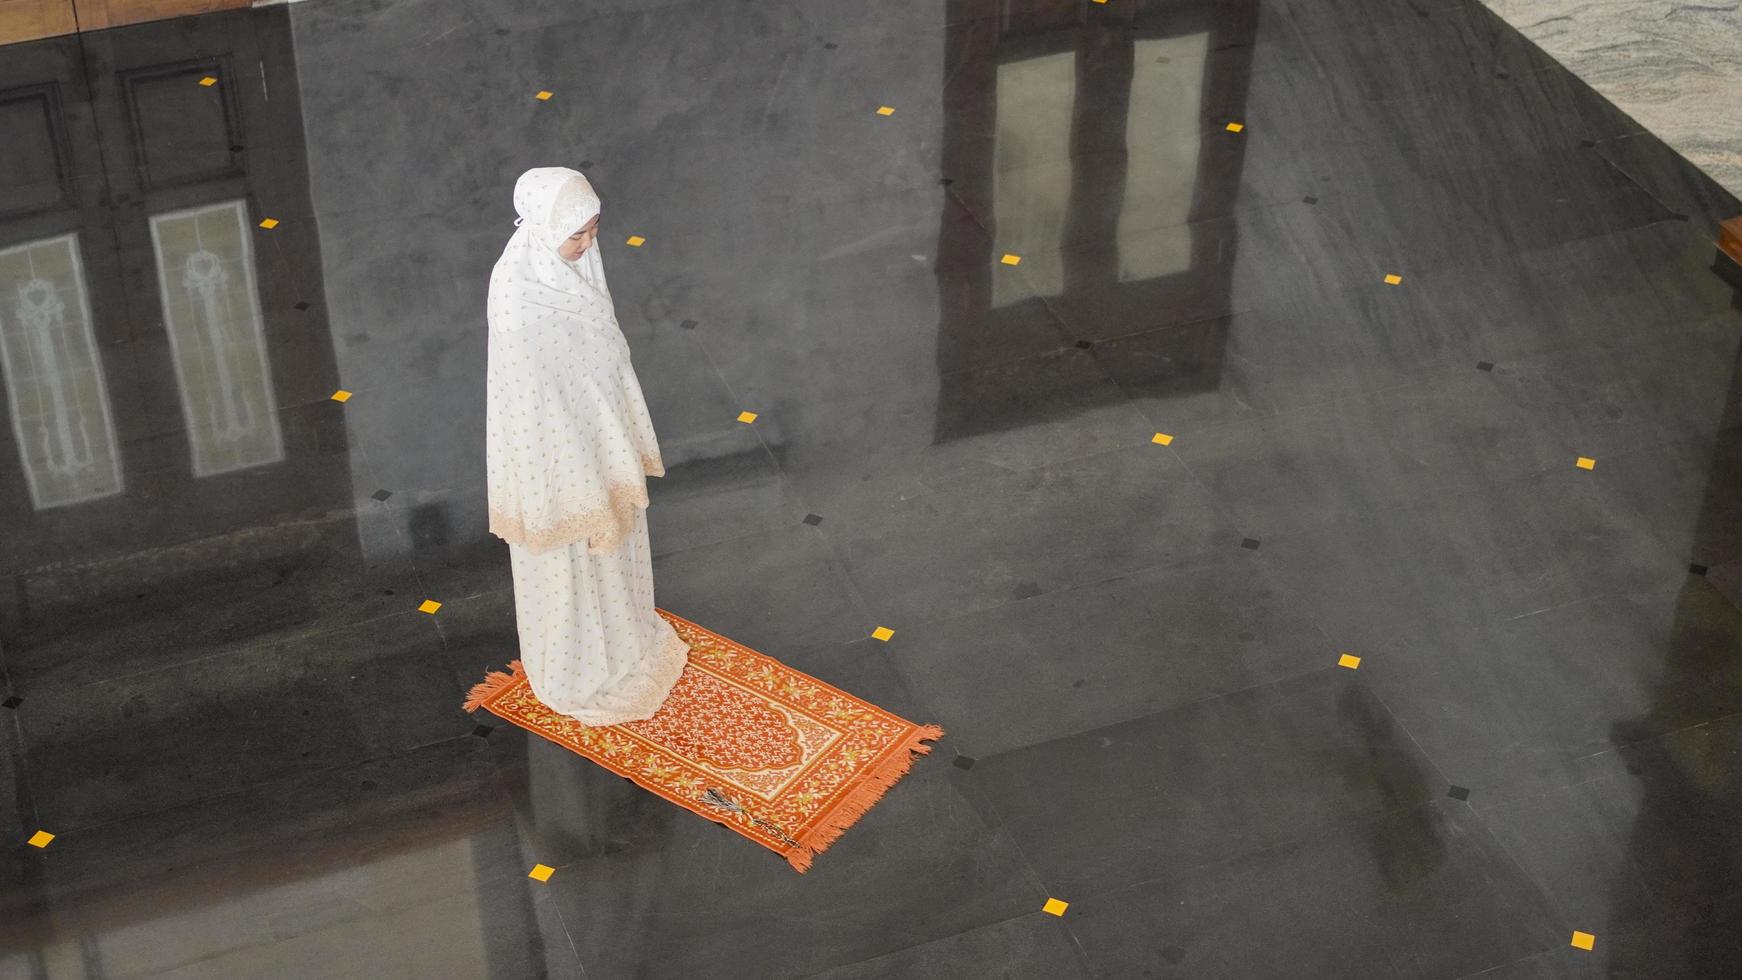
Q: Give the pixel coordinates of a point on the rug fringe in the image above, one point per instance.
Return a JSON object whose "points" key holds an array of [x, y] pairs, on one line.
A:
{"points": [[861, 798], [493, 683]]}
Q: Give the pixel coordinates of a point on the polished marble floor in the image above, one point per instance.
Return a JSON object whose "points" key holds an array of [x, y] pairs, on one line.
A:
{"points": [[222, 700]]}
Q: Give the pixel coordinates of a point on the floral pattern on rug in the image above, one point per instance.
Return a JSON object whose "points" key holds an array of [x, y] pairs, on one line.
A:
{"points": [[777, 755]]}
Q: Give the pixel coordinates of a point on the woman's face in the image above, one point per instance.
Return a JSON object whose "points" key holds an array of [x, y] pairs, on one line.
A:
{"points": [[580, 241]]}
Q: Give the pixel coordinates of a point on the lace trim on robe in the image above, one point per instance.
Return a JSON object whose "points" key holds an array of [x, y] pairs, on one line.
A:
{"points": [[602, 529]]}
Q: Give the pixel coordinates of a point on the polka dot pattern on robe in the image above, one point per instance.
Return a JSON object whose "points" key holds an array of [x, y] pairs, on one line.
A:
{"points": [[569, 444]]}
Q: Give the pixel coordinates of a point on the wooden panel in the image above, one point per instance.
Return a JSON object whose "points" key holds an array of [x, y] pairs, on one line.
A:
{"points": [[94, 14], [28, 20], [35, 169], [1730, 238]]}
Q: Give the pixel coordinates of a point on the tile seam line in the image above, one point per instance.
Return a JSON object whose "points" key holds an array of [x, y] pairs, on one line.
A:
{"points": [[854, 591], [912, 946], [1207, 699], [246, 648], [1347, 822], [1517, 799], [283, 778]]}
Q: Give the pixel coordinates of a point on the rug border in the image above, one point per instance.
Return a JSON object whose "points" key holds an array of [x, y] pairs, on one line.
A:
{"points": [[852, 802]]}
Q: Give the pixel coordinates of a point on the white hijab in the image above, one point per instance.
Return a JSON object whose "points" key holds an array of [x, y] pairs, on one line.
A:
{"points": [[568, 440]]}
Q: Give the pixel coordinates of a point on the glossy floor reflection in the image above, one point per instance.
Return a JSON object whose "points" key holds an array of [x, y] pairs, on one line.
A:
{"points": [[223, 701]]}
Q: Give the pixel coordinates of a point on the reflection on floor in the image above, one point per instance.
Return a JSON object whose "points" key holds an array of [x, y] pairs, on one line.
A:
{"points": [[1127, 499]]}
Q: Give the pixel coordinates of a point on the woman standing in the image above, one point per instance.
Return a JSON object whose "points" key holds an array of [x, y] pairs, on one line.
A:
{"points": [[569, 445]]}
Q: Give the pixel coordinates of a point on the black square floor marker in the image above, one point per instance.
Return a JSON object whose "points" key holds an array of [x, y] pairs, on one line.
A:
{"points": [[831, 45], [1697, 569], [947, 181], [1084, 345], [482, 731], [1679, 217], [1587, 144], [302, 305], [1309, 199], [382, 494], [238, 148], [1173, 954], [1250, 544], [1501, 74], [1484, 365], [1458, 793], [12, 702], [688, 324], [813, 519], [964, 762]]}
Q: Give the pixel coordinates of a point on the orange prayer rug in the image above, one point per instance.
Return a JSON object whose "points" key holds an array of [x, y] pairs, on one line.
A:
{"points": [[744, 740]]}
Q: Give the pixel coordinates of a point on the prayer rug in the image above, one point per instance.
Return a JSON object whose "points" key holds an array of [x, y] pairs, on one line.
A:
{"points": [[744, 740]]}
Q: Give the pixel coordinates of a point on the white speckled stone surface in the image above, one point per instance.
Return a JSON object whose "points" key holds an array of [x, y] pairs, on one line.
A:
{"points": [[1676, 68]]}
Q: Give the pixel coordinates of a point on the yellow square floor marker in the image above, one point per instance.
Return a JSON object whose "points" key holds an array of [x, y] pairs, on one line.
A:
{"points": [[1162, 439], [40, 838], [1583, 940], [208, 81], [1009, 259], [882, 633], [543, 96], [429, 606], [1393, 279], [1236, 127], [1349, 660], [635, 241], [1055, 907], [341, 396], [884, 110], [1587, 463], [269, 224], [746, 417], [541, 872]]}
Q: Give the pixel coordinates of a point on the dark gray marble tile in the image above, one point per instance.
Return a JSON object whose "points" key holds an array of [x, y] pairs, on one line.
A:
{"points": [[421, 844], [1642, 858], [142, 742], [1424, 892], [854, 454], [959, 550], [1205, 782], [1540, 701], [1299, 470], [787, 594], [186, 601], [1439, 563], [688, 895], [1671, 179], [1029, 947], [1106, 652]]}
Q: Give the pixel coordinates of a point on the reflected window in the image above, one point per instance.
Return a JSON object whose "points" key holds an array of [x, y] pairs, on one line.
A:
{"points": [[1162, 139], [1034, 156], [211, 308], [1031, 171], [54, 380]]}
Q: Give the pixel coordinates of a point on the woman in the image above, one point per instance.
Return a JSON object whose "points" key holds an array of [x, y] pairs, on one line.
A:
{"points": [[569, 445]]}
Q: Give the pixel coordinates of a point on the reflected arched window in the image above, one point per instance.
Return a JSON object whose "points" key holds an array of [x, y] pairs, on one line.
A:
{"points": [[211, 309], [54, 380]]}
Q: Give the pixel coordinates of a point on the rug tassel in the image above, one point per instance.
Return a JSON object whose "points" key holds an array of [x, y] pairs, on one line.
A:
{"points": [[863, 797], [494, 681]]}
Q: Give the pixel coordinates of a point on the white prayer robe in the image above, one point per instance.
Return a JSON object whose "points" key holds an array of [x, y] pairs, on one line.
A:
{"points": [[569, 444]]}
